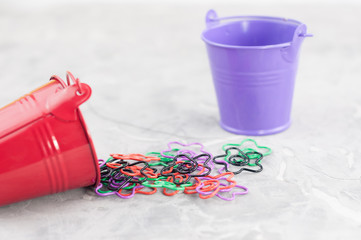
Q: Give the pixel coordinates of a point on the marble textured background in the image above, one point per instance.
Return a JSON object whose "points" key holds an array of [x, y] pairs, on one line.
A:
{"points": [[151, 84]]}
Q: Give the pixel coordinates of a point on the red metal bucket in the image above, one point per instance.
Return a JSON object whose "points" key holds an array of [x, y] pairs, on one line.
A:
{"points": [[45, 146]]}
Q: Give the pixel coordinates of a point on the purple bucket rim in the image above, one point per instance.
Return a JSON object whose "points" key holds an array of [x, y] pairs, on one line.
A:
{"points": [[236, 19]]}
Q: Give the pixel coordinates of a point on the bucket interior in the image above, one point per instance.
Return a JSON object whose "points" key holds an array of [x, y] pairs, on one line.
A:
{"points": [[252, 32]]}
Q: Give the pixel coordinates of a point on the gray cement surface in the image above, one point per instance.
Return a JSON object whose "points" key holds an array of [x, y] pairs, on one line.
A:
{"points": [[151, 84]]}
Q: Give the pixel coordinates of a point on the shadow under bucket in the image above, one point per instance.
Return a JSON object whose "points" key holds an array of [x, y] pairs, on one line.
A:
{"points": [[254, 63]]}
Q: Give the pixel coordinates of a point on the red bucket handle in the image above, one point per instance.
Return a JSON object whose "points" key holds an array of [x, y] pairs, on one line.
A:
{"points": [[69, 77]]}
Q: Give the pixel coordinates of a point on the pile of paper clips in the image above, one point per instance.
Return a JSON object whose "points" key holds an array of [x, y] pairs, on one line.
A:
{"points": [[180, 169]]}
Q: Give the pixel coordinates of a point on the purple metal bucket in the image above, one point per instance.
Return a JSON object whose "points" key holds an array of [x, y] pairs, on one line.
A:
{"points": [[254, 63]]}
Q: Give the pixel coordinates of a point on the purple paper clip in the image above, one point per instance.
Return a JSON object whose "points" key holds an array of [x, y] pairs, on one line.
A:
{"points": [[188, 152]]}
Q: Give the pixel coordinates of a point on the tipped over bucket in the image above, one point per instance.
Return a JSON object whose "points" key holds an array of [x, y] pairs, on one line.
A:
{"points": [[254, 62], [44, 143]]}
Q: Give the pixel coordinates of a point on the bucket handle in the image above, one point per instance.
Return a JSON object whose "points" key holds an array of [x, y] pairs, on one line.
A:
{"points": [[69, 76], [76, 81], [212, 18], [290, 53], [63, 104]]}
